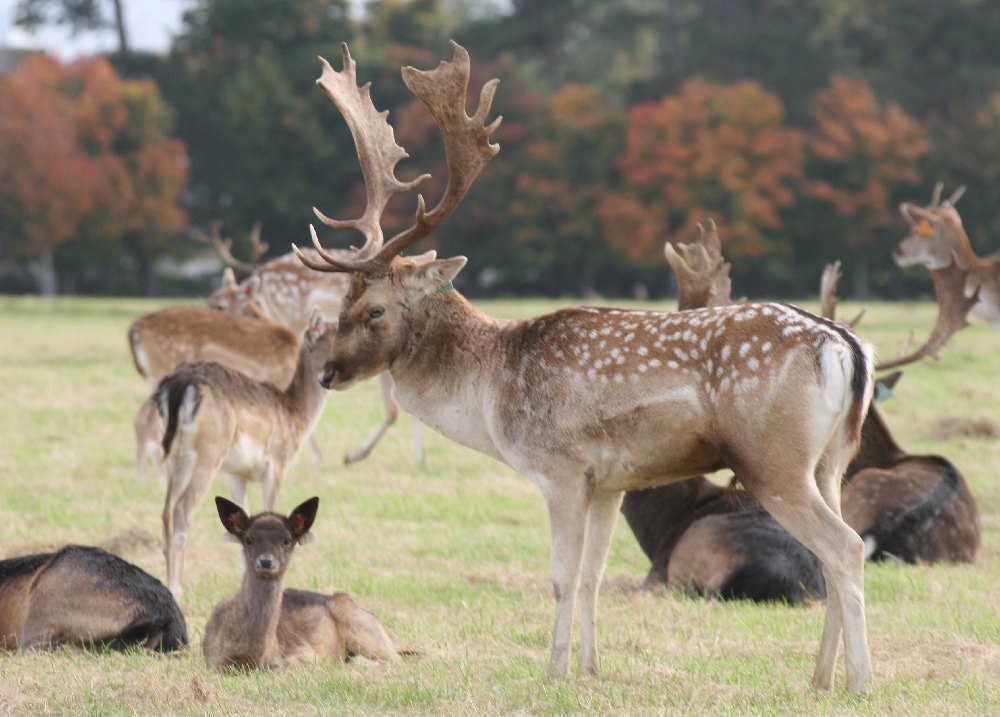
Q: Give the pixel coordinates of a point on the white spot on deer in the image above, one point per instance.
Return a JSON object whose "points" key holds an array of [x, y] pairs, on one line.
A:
{"points": [[670, 364], [681, 354], [642, 351], [619, 378], [744, 349], [592, 373], [643, 368], [792, 329], [726, 350], [765, 347], [753, 364], [629, 336], [655, 363]]}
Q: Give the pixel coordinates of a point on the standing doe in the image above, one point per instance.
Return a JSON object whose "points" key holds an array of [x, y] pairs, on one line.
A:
{"points": [[589, 403], [264, 625], [220, 420]]}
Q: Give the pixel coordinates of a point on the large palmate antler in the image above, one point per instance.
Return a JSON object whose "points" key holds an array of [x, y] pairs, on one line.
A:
{"points": [[953, 311], [953, 315], [702, 273], [467, 150]]}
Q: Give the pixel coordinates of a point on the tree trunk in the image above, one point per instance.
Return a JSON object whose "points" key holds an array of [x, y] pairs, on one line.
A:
{"points": [[860, 275], [123, 47], [148, 278], [44, 272]]}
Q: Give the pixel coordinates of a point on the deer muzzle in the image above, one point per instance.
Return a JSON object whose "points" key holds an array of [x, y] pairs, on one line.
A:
{"points": [[266, 565]]}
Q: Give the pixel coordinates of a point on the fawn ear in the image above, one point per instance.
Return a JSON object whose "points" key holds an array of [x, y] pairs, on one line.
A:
{"points": [[234, 518], [316, 325], [302, 517], [229, 278], [251, 287]]}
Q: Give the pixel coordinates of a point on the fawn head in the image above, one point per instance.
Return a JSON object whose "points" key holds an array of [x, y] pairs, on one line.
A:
{"points": [[933, 237], [268, 539]]}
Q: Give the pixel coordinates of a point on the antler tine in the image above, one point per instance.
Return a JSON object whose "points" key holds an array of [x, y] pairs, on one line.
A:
{"points": [[223, 247], [258, 248], [377, 151], [953, 313], [936, 195], [828, 290], [956, 195], [702, 273]]}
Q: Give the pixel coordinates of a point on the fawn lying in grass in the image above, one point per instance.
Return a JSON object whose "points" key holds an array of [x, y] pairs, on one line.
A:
{"points": [[264, 625]]}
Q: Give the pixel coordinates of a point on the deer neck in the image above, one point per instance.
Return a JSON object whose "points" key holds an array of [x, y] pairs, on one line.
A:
{"points": [[305, 394], [963, 247], [878, 447], [444, 370], [259, 605]]}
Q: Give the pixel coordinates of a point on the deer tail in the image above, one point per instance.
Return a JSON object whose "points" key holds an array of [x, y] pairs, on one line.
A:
{"points": [[177, 398]]}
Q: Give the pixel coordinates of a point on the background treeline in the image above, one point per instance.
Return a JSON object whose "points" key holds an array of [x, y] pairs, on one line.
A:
{"points": [[798, 125]]}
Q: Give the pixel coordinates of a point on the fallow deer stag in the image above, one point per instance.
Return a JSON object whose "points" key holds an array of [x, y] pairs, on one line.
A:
{"points": [[217, 419], [266, 626], [287, 291], [84, 597], [938, 240], [590, 402]]}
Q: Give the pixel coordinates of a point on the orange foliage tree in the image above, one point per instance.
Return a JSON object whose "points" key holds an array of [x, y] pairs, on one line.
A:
{"points": [[84, 155], [708, 151]]}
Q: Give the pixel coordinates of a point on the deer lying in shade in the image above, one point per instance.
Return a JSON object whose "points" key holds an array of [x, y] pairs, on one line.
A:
{"points": [[220, 420], [85, 597], [265, 625]]}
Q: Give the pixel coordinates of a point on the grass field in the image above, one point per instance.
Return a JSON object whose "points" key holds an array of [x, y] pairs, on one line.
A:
{"points": [[453, 558]]}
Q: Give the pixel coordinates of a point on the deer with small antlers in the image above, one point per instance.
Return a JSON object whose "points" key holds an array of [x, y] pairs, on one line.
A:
{"points": [[265, 625], [937, 240], [287, 291], [589, 403], [219, 420]]}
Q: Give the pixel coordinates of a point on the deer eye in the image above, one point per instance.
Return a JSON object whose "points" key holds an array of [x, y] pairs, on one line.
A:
{"points": [[248, 541], [287, 542], [376, 313]]}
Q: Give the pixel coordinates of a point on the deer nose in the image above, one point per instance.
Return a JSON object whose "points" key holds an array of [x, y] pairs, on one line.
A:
{"points": [[267, 564], [330, 370]]}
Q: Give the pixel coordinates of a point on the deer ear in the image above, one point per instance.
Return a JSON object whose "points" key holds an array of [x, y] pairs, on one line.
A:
{"points": [[316, 326], [251, 287], [234, 518], [229, 279], [427, 256], [426, 278], [302, 517]]}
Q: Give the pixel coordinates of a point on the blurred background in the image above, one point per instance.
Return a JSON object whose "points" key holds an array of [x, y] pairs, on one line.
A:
{"points": [[127, 127]]}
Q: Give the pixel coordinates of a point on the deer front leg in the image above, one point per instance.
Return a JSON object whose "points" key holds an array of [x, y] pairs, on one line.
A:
{"points": [[568, 509], [603, 515]]}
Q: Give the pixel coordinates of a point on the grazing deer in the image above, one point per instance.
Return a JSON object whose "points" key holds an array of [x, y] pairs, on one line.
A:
{"points": [[916, 508], [697, 535], [220, 420], [287, 291], [589, 403], [937, 240], [162, 340], [266, 626], [85, 597]]}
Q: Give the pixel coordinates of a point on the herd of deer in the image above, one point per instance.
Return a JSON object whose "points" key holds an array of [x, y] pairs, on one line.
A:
{"points": [[604, 410]]}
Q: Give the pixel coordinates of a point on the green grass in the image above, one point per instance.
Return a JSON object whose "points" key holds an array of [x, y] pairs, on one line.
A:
{"points": [[453, 558]]}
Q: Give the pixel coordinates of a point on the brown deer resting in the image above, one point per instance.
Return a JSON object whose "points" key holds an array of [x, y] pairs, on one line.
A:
{"points": [[162, 340], [287, 291], [589, 403], [220, 420], [266, 626], [85, 597]]}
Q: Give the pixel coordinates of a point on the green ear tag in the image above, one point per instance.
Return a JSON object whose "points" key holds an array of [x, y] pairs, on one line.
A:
{"points": [[446, 288], [882, 392]]}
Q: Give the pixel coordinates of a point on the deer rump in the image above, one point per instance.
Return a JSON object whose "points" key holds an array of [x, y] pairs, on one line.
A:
{"points": [[85, 597]]}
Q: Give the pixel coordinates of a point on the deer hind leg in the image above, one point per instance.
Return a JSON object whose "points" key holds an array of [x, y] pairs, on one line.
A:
{"points": [[391, 413], [361, 631], [600, 525], [183, 496], [148, 430], [569, 507], [800, 508]]}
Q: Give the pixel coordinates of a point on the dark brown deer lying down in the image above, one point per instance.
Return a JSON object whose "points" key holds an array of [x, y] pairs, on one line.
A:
{"points": [[265, 626], [913, 508], [714, 541], [85, 597]]}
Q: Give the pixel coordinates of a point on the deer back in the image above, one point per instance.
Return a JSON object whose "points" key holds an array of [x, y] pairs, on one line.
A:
{"points": [[259, 348]]}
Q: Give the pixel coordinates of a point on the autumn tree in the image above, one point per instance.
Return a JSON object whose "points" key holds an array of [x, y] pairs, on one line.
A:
{"points": [[708, 151], [860, 153], [83, 156]]}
